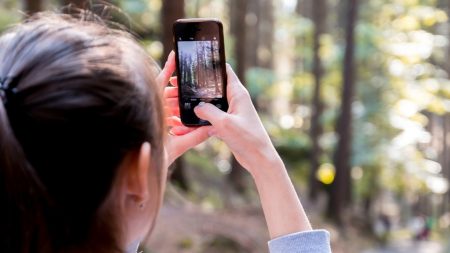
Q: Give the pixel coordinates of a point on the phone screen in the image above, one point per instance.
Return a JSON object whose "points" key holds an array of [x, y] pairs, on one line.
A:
{"points": [[201, 70]]}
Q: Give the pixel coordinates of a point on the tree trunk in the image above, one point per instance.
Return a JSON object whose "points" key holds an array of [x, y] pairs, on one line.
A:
{"points": [[32, 6], [252, 26], [446, 127], [341, 187], [259, 21], [446, 158], [238, 28], [304, 8], [266, 34], [170, 12], [319, 19], [238, 11]]}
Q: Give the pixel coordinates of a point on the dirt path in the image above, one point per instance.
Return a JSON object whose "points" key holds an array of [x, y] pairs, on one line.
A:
{"points": [[408, 246], [189, 229]]}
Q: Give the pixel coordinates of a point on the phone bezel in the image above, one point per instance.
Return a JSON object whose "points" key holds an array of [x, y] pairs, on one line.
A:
{"points": [[188, 29]]}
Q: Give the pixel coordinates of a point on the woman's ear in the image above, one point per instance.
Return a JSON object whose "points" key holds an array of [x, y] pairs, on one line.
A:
{"points": [[137, 175]]}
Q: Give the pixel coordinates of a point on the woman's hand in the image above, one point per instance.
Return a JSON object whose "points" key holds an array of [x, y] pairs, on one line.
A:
{"points": [[181, 138], [240, 128]]}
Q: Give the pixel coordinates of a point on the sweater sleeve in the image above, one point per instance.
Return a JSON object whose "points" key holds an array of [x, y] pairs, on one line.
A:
{"points": [[316, 241]]}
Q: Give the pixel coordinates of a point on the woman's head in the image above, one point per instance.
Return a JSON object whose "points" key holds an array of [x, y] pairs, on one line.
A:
{"points": [[81, 137]]}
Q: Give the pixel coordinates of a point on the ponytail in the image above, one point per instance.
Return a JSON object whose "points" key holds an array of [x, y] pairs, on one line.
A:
{"points": [[20, 192]]}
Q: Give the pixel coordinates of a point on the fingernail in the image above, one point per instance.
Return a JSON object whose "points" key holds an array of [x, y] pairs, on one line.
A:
{"points": [[201, 103]]}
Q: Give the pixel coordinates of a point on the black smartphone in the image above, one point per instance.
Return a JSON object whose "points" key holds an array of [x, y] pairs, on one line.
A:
{"points": [[201, 70]]}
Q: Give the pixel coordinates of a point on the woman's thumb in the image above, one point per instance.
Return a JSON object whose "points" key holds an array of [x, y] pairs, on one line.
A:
{"points": [[209, 112]]}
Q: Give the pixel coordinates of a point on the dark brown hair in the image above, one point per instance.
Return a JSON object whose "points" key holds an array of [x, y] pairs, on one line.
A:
{"points": [[79, 97]]}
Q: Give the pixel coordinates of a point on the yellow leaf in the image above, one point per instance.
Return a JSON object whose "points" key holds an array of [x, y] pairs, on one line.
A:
{"points": [[326, 173]]}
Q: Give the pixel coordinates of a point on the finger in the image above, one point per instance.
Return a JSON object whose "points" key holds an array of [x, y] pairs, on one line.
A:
{"points": [[173, 121], [196, 136], [171, 102], [209, 112], [167, 71], [172, 111], [181, 130], [171, 92], [174, 81], [234, 85], [181, 143], [231, 76]]}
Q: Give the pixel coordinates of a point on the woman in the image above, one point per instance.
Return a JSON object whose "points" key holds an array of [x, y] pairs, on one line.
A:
{"points": [[83, 144]]}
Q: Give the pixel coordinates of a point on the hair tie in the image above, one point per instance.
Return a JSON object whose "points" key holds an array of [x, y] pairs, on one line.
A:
{"points": [[6, 89]]}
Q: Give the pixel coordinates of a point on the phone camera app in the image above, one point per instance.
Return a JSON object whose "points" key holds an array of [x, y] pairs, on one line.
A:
{"points": [[200, 73]]}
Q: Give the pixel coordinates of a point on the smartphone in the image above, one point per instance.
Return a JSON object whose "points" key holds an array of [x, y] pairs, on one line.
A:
{"points": [[201, 70]]}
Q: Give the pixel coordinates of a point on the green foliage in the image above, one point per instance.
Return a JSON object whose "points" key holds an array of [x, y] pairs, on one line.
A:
{"points": [[7, 14], [258, 81]]}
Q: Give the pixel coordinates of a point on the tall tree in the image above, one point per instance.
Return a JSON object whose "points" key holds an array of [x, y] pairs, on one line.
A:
{"points": [[447, 157], [319, 15], [259, 22], [252, 40], [252, 27], [445, 163], [304, 8], [446, 126], [32, 6], [170, 12], [266, 34], [340, 195], [238, 28]]}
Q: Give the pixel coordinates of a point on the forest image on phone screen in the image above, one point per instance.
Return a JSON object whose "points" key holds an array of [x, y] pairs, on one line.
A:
{"points": [[200, 69]]}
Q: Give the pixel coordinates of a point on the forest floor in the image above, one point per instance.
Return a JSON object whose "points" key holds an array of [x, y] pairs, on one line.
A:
{"points": [[408, 246], [184, 227], [188, 228]]}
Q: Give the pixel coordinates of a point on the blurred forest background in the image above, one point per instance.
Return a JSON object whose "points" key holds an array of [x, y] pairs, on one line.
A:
{"points": [[356, 97]]}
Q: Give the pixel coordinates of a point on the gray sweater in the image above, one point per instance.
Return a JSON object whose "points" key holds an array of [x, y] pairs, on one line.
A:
{"points": [[316, 241]]}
